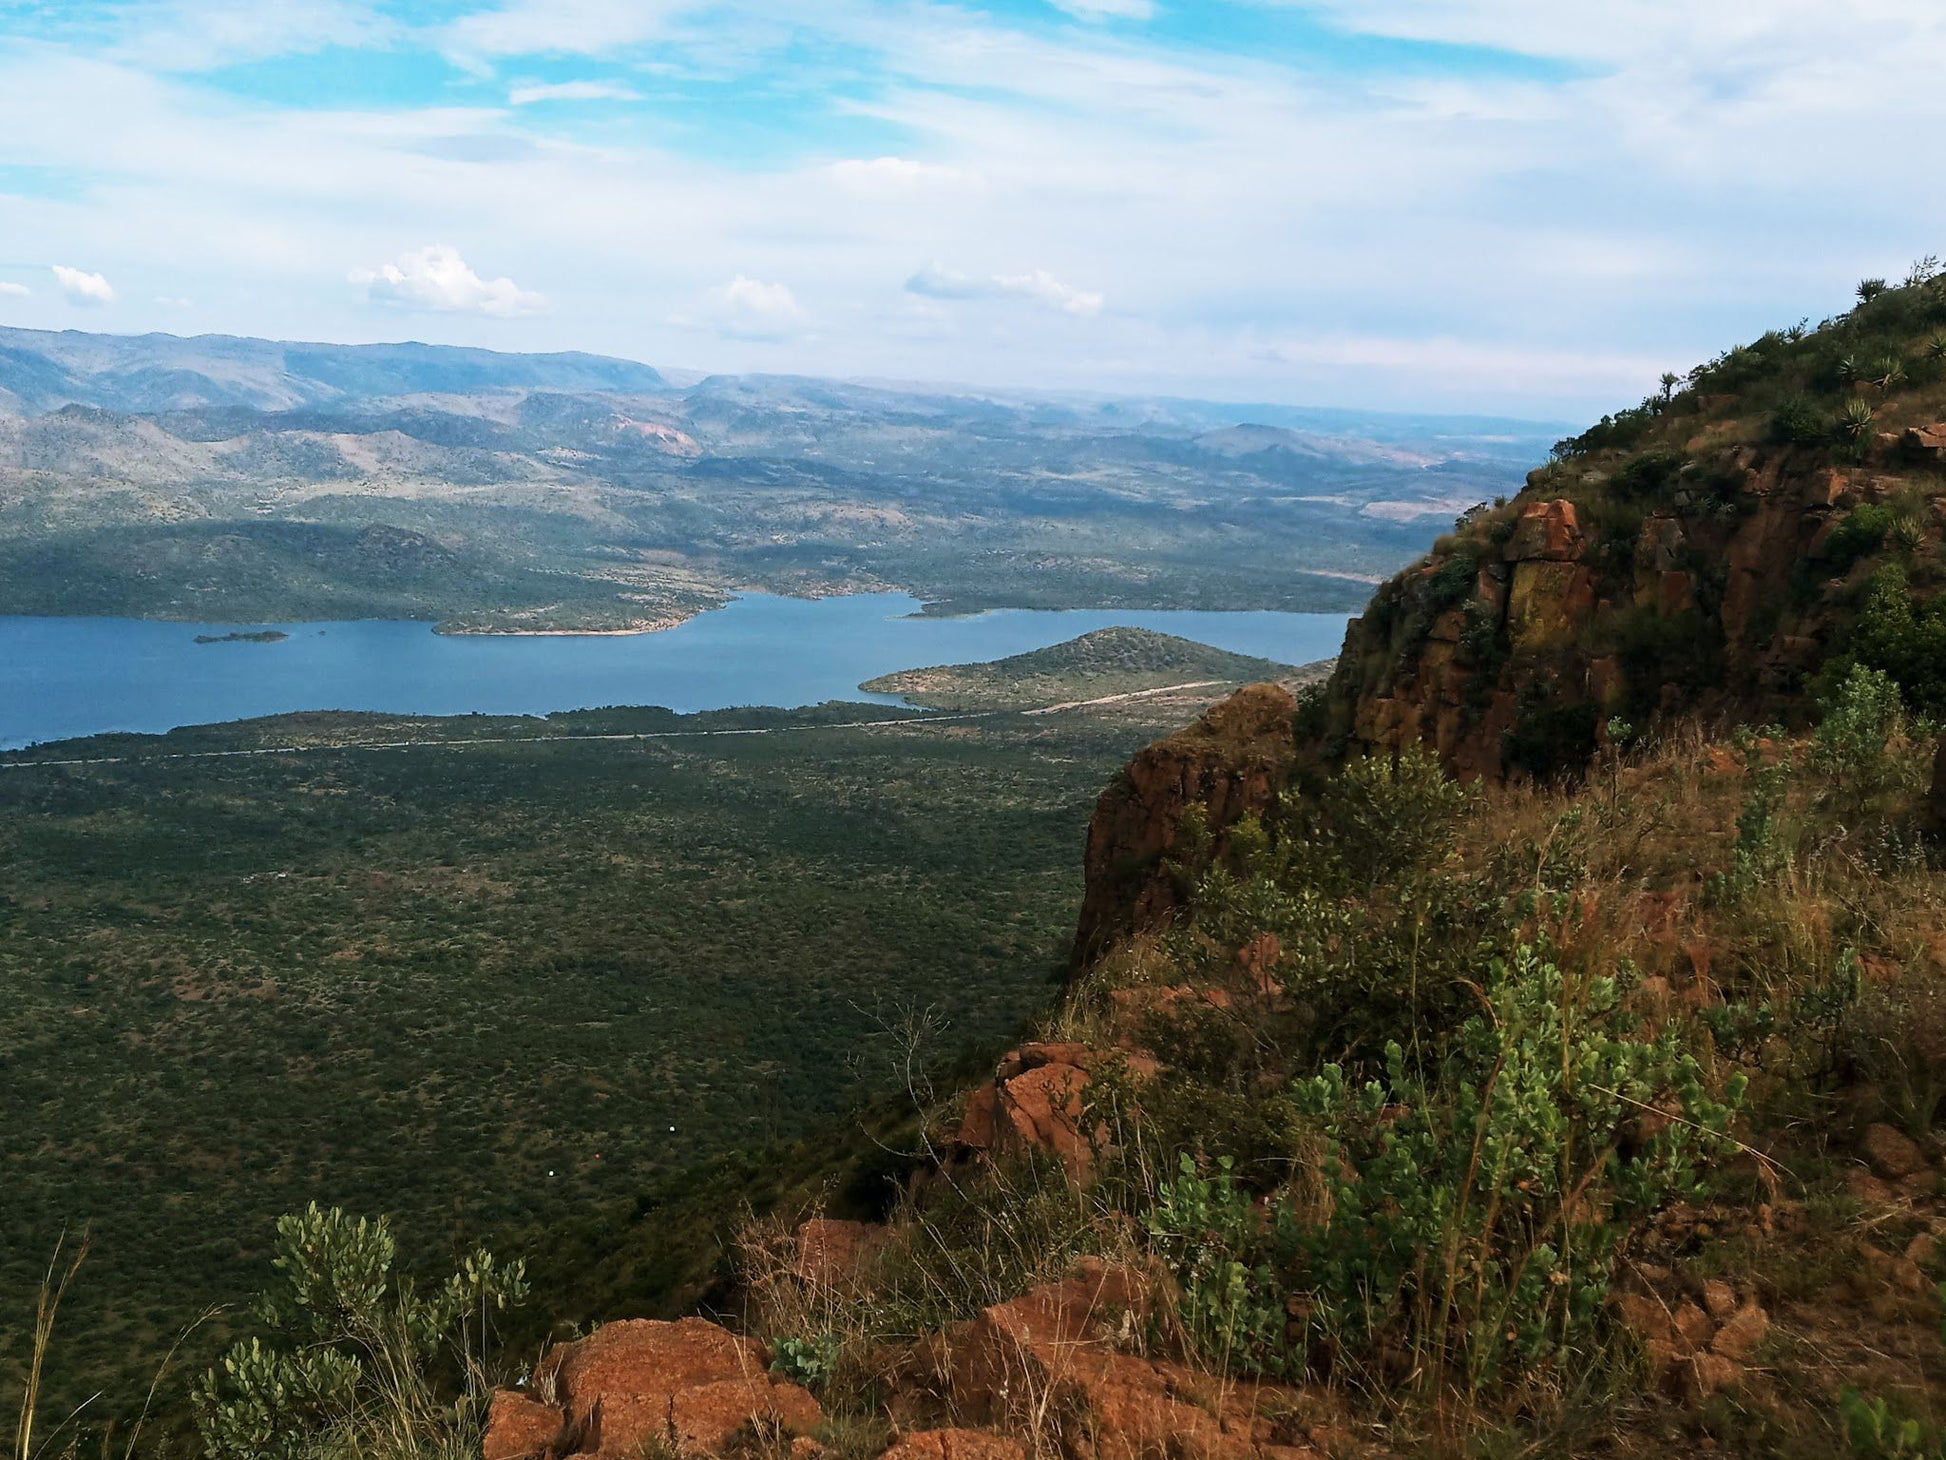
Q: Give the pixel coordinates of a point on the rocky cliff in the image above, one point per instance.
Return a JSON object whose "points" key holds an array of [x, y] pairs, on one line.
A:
{"points": [[1716, 550], [1193, 785]]}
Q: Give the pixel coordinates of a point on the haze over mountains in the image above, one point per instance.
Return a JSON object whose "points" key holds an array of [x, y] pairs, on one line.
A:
{"points": [[223, 478]]}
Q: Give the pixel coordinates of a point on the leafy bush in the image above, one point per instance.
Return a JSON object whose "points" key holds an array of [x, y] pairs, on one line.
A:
{"points": [[1873, 1432], [1229, 1301], [1476, 1204], [1472, 1198], [357, 1359], [1651, 474], [1905, 639], [1859, 721], [1860, 534], [1761, 850], [1798, 422], [806, 1361]]}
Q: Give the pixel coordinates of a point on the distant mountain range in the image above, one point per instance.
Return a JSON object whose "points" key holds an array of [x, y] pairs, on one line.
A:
{"points": [[237, 479]]}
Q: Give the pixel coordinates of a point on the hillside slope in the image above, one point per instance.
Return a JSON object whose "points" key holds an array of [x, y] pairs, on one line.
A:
{"points": [[1727, 548], [1111, 661], [231, 479]]}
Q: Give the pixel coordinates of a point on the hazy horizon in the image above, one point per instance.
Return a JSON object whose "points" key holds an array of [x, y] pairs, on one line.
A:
{"points": [[1492, 206]]}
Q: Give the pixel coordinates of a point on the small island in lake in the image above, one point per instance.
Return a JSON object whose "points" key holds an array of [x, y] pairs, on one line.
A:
{"points": [[241, 636]]}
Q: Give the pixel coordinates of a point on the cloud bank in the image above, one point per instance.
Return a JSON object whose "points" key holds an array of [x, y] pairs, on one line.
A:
{"points": [[438, 279], [82, 287], [935, 282]]}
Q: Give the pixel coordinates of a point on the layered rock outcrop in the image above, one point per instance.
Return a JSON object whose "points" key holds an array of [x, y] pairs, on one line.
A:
{"points": [[1508, 649], [1232, 763]]}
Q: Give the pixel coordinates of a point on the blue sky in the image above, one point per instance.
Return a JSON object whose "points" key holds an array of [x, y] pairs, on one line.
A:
{"points": [[1527, 206]]}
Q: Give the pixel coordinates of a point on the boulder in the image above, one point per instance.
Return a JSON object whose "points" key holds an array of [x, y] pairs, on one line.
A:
{"points": [[1546, 531], [519, 1426], [1893, 1154], [636, 1384], [954, 1445]]}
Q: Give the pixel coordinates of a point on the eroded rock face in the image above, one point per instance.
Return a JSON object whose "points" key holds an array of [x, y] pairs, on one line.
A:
{"points": [[636, 1384], [1035, 1101], [1507, 651], [1233, 763]]}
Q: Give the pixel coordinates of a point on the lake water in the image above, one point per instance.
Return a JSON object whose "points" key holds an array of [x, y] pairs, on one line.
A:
{"points": [[61, 677]]}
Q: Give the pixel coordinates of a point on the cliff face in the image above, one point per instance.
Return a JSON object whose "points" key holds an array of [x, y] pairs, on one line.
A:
{"points": [[1723, 589], [1231, 763]]}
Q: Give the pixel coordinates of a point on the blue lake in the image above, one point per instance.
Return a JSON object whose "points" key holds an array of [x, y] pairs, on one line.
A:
{"points": [[61, 677]]}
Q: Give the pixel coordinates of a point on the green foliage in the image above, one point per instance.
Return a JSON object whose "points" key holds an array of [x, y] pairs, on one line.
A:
{"points": [[1650, 474], [1474, 1196], [1550, 738], [1381, 818], [1229, 1300], [1874, 1432], [807, 1361], [1860, 534], [354, 974], [1797, 421], [1859, 721], [1904, 638], [358, 1359], [1762, 849], [1476, 1204]]}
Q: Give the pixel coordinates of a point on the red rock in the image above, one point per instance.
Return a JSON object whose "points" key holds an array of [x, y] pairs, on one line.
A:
{"points": [[1232, 763], [1043, 1107], [1928, 442], [1708, 1374], [519, 1426], [1693, 1327], [641, 1382], [977, 1126], [1892, 1153], [832, 1253], [954, 1445], [1737, 1339], [1546, 530], [1720, 1299], [1675, 593], [1051, 1358]]}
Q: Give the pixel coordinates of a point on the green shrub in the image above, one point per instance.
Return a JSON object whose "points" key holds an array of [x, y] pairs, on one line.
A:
{"points": [[1651, 474], [806, 1361], [1476, 1202], [1904, 638], [357, 1359], [1798, 422], [1873, 1432], [1762, 849], [1859, 721], [1230, 1302], [1860, 534]]}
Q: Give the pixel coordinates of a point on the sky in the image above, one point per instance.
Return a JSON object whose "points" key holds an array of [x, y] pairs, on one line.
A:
{"points": [[1531, 207]]}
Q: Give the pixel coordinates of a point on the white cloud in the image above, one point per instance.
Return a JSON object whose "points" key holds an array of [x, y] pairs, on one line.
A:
{"points": [[82, 287], [890, 175], [195, 35], [561, 27], [1106, 9], [571, 91], [750, 309], [935, 282], [172, 301], [437, 278], [13, 291]]}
